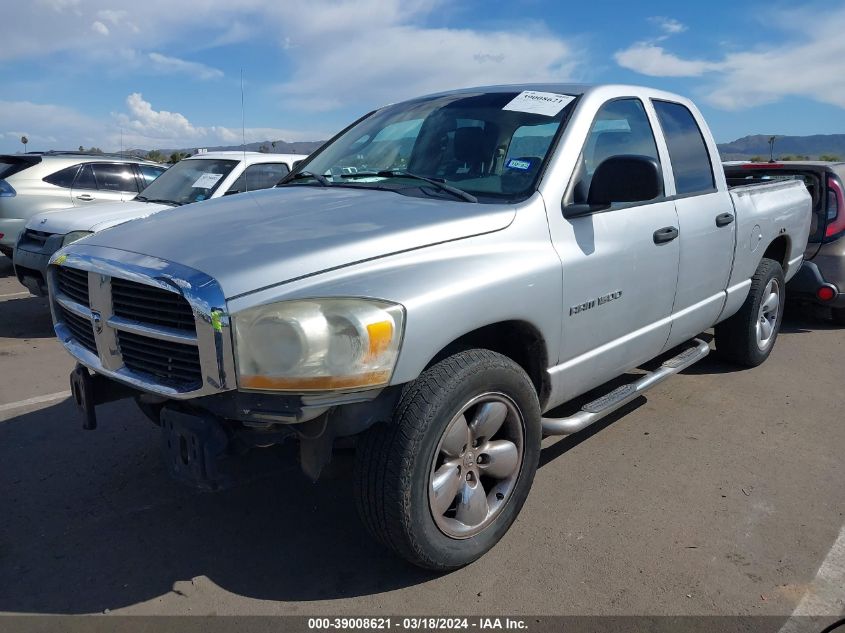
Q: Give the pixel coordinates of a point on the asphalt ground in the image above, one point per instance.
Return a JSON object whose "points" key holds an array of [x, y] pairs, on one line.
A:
{"points": [[721, 492]]}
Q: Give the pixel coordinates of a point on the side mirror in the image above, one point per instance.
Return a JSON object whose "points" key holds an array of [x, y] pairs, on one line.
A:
{"points": [[625, 179]]}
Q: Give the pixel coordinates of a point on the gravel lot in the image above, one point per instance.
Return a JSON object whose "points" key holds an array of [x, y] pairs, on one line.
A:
{"points": [[720, 493]]}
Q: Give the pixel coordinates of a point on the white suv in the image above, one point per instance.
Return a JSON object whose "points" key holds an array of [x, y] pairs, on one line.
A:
{"points": [[31, 183], [197, 178]]}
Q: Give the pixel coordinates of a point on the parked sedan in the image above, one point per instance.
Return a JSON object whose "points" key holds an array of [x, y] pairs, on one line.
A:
{"points": [[45, 181], [821, 279]]}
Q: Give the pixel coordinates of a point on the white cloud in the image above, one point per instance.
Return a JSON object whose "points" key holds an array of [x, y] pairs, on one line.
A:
{"points": [[168, 65], [650, 59], [670, 26], [794, 66], [100, 28], [51, 126], [345, 55], [341, 51]]}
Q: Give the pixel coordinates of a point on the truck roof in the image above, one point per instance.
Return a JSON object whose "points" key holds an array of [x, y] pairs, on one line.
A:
{"points": [[249, 157]]}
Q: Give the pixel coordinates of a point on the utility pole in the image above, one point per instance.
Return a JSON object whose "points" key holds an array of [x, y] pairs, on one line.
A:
{"points": [[772, 148]]}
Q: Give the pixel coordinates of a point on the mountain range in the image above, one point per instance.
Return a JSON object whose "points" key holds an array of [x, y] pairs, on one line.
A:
{"points": [[758, 145]]}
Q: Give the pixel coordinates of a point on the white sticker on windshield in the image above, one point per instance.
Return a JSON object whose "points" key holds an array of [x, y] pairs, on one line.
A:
{"points": [[545, 103], [207, 181]]}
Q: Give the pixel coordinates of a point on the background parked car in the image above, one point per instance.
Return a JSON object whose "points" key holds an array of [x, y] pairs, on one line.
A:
{"points": [[32, 183], [197, 178], [821, 279]]}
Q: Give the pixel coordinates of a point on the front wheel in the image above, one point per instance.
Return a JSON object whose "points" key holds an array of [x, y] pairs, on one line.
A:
{"points": [[747, 338], [443, 482]]}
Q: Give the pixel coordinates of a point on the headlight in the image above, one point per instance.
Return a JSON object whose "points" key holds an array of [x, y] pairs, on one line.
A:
{"points": [[317, 345], [74, 236]]}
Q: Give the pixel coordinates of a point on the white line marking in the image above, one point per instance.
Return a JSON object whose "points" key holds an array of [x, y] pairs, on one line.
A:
{"points": [[825, 597], [14, 294], [52, 397]]}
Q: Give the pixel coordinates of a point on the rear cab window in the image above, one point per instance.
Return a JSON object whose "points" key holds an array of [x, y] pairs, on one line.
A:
{"points": [[688, 152]]}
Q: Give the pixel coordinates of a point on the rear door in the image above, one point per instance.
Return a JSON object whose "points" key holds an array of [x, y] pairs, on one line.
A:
{"points": [[706, 223], [104, 182]]}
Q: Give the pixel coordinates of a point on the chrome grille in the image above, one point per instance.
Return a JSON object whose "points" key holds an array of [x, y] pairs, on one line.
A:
{"points": [[173, 362], [74, 283], [171, 339], [151, 305], [81, 329]]}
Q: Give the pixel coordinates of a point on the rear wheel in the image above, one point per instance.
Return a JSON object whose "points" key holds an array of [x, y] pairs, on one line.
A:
{"points": [[747, 338], [442, 483]]}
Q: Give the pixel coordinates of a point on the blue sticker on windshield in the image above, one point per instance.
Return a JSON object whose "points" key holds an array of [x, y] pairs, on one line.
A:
{"points": [[515, 163], [200, 198]]}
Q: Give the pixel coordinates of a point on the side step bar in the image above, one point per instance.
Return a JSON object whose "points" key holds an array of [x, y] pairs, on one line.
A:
{"points": [[603, 406]]}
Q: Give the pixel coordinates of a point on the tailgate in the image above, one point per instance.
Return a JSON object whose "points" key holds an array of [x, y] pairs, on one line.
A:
{"points": [[814, 179]]}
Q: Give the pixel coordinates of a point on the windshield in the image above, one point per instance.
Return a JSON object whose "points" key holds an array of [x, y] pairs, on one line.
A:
{"points": [[489, 145], [190, 180]]}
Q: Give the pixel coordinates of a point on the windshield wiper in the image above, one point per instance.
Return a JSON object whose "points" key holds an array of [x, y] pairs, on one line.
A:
{"points": [[401, 173], [159, 201], [324, 182]]}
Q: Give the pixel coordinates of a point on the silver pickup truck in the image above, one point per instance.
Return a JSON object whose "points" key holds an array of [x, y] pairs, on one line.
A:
{"points": [[436, 281]]}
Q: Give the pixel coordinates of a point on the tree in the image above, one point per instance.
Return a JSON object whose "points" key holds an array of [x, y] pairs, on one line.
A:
{"points": [[833, 158], [95, 150], [156, 155], [24, 140], [264, 149], [81, 149], [175, 157]]}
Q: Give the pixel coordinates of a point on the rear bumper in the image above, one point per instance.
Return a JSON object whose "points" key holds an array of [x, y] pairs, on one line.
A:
{"points": [[807, 282]]}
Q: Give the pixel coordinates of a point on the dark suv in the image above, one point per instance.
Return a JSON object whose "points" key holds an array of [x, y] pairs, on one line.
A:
{"points": [[821, 279]]}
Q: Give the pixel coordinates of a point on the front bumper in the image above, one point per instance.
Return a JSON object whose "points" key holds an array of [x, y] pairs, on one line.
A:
{"points": [[807, 282], [31, 267]]}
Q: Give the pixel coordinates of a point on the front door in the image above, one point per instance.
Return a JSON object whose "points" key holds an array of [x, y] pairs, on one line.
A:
{"points": [[619, 269]]}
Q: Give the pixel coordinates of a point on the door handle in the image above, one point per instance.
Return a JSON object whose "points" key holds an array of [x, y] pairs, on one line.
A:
{"points": [[724, 219], [666, 234], [85, 197]]}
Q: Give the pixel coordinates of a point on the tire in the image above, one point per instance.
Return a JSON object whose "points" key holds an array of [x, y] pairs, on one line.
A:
{"points": [[838, 315], [400, 464], [747, 338]]}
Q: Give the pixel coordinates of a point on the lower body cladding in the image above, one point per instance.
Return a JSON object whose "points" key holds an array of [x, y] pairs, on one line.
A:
{"points": [[197, 436]]}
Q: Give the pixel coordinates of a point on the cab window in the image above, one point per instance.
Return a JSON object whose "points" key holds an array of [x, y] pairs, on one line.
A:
{"points": [[621, 127], [261, 176], [687, 150]]}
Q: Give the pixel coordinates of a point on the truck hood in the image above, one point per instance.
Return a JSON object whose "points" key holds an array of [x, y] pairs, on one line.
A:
{"points": [[95, 217], [254, 240]]}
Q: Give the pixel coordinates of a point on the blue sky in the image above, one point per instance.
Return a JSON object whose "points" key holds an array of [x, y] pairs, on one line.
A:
{"points": [[166, 73]]}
